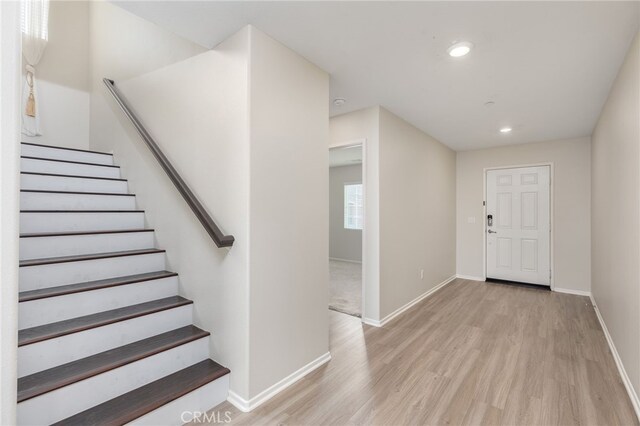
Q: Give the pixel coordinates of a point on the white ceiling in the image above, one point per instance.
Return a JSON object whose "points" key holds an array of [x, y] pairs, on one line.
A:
{"points": [[345, 156], [548, 66]]}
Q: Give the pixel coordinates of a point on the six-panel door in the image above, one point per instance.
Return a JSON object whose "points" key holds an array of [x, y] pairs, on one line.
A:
{"points": [[518, 240]]}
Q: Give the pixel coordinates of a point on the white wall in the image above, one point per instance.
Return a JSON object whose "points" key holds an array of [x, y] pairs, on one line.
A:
{"points": [[615, 224], [289, 269], [130, 46], [124, 46], [63, 78], [9, 206], [345, 129], [344, 243], [409, 208], [417, 212], [201, 124], [246, 125], [571, 206]]}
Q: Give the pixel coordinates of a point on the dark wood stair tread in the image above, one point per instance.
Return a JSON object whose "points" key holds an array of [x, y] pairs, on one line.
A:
{"points": [[72, 176], [73, 233], [66, 149], [28, 157], [132, 405], [43, 293], [47, 191], [54, 378], [40, 333], [83, 257]]}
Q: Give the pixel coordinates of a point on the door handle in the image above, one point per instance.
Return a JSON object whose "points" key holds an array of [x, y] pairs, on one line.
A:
{"points": [[492, 232]]}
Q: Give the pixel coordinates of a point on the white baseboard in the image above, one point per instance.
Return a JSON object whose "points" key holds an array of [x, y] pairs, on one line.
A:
{"points": [[346, 260], [248, 405], [470, 277], [616, 356], [369, 321], [572, 291], [392, 315]]}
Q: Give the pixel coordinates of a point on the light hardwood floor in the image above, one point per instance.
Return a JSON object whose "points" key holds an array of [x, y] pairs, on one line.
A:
{"points": [[472, 353]]}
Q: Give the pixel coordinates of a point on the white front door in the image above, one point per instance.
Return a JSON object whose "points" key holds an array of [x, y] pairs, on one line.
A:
{"points": [[518, 224]]}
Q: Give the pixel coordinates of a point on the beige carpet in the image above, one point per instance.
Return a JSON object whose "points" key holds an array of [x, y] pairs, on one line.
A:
{"points": [[345, 287]]}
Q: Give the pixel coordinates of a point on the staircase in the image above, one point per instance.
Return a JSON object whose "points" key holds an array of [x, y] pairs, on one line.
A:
{"points": [[104, 337]]}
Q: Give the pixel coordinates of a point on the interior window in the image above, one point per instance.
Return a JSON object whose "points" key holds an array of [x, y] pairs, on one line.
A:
{"points": [[353, 206]]}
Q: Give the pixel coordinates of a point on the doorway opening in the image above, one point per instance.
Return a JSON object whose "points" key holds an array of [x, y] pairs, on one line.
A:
{"points": [[346, 224], [518, 232]]}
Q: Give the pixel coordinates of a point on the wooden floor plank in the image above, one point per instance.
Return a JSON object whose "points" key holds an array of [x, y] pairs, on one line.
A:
{"points": [[472, 353]]}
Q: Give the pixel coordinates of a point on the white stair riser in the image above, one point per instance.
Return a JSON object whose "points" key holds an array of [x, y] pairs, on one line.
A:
{"points": [[71, 245], [55, 274], [59, 201], [183, 409], [35, 222], [66, 154], [62, 183], [69, 400], [61, 350], [62, 168], [52, 309]]}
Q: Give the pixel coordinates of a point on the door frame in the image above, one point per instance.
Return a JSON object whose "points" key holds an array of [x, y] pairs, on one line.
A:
{"points": [[362, 142], [551, 210]]}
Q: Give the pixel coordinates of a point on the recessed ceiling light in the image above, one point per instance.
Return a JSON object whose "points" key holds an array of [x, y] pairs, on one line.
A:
{"points": [[339, 102], [505, 130], [460, 49]]}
